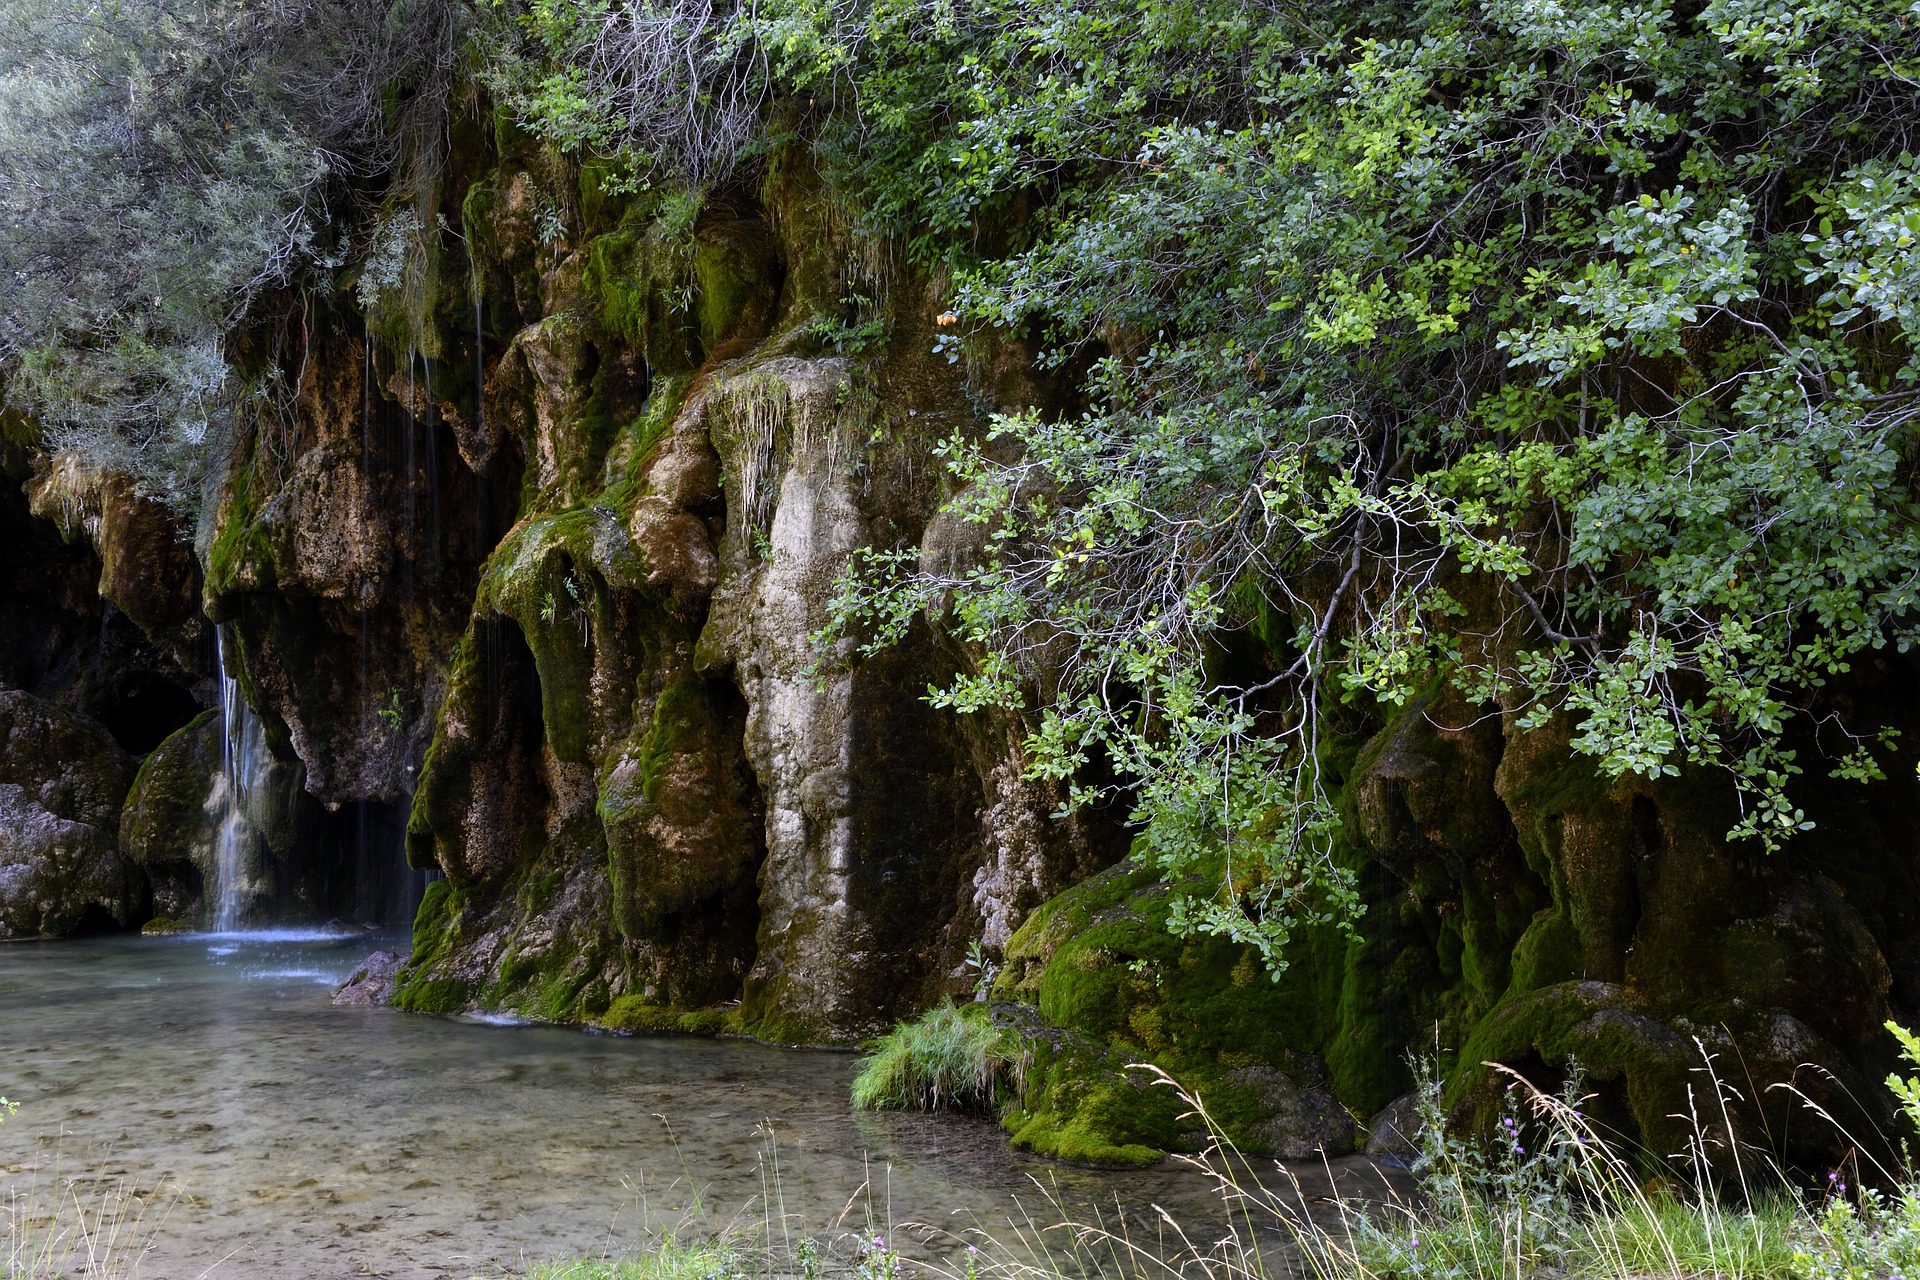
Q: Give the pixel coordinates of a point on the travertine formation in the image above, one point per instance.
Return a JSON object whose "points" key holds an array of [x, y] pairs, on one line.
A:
{"points": [[528, 583]]}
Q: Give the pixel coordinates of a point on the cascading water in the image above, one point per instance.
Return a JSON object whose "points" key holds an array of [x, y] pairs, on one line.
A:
{"points": [[243, 754]]}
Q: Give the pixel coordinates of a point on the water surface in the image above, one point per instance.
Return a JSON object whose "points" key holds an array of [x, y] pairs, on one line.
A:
{"points": [[303, 1140]]}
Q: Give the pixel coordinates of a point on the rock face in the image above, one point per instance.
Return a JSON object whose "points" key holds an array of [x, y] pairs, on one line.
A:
{"points": [[62, 778], [640, 790], [525, 585], [94, 590], [344, 565]]}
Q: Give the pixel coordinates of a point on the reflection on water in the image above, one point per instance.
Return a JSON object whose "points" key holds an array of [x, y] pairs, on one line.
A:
{"points": [[314, 1141]]}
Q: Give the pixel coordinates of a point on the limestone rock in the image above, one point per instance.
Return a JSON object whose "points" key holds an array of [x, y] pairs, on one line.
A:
{"points": [[344, 564], [372, 982], [147, 568], [170, 821], [57, 876], [1394, 1130], [1301, 1119], [62, 779], [63, 762]]}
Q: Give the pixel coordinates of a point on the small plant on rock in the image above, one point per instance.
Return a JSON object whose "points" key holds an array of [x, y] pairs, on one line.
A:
{"points": [[984, 969]]}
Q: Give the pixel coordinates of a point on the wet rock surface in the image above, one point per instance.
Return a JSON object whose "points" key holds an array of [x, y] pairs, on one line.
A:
{"points": [[171, 818], [372, 982], [62, 779]]}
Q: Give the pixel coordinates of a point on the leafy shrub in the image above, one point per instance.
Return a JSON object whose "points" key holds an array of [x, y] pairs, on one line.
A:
{"points": [[161, 169]]}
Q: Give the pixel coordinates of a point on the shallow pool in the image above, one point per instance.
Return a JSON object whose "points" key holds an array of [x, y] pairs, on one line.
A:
{"points": [[292, 1138]]}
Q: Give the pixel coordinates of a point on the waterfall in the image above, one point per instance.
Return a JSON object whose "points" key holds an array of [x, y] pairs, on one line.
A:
{"points": [[243, 754], [432, 438]]}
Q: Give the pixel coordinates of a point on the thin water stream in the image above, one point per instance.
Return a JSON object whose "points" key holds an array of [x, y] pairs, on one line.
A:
{"points": [[313, 1141]]}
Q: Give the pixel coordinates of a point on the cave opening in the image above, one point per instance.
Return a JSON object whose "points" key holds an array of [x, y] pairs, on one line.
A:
{"points": [[142, 709]]}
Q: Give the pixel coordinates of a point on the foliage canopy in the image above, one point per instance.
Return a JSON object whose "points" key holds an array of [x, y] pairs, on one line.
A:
{"points": [[162, 166], [1564, 352]]}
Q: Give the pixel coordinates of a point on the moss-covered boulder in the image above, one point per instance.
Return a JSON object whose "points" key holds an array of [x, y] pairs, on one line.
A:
{"points": [[1521, 910], [67, 764], [1110, 986], [170, 821]]}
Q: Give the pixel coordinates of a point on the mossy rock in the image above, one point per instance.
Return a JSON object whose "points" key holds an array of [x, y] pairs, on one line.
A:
{"points": [[243, 556], [637, 1014], [1099, 964], [419, 985], [69, 765], [676, 802], [165, 826], [432, 995], [1078, 1101]]}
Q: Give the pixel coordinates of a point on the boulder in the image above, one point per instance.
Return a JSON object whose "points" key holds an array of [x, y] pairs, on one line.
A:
{"points": [[58, 876], [170, 822], [65, 763], [372, 982], [62, 779]]}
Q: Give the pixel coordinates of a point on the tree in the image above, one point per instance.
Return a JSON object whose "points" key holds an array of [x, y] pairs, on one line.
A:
{"points": [[162, 165]]}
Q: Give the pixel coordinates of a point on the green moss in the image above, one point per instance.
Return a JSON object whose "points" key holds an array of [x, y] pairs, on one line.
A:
{"points": [[637, 1014], [1077, 1140], [433, 995], [1547, 953], [604, 193], [165, 806], [1098, 962], [638, 285], [679, 714], [241, 556], [444, 788], [1100, 959], [540, 576], [647, 888], [778, 1027], [735, 269], [607, 412], [1366, 1053], [436, 936], [668, 393], [477, 210], [1078, 1103], [612, 281], [562, 997], [435, 922]]}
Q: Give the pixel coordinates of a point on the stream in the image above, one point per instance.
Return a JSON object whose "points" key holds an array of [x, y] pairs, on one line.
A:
{"points": [[287, 1137]]}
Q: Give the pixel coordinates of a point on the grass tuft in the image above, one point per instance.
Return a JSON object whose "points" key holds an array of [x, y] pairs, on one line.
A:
{"points": [[947, 1059], [671, 1259]]}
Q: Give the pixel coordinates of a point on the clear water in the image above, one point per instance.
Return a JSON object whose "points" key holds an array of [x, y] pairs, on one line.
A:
{"points": [[302, 1140]]}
